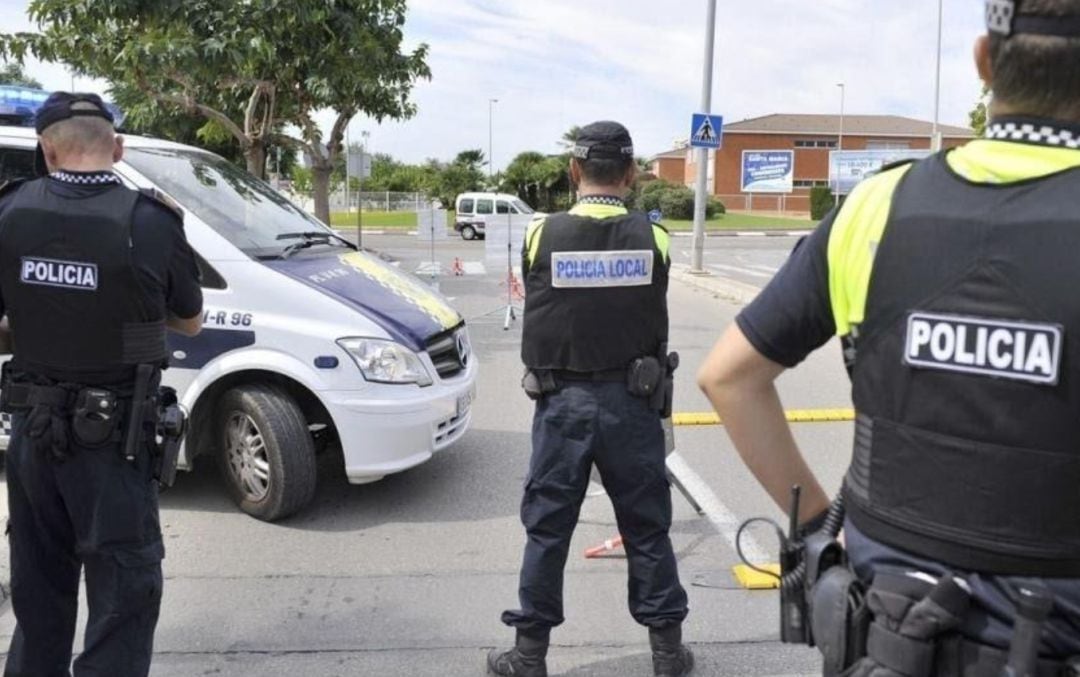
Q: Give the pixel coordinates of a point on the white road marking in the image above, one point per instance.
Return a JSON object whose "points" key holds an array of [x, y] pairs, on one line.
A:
{"points": [[474, 268], [767, 269], [429, 268], [740, 270], [716, 512]]}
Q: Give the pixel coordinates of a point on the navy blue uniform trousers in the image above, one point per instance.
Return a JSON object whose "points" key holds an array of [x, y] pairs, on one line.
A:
{"points": [[94, 512], [581, 424]]}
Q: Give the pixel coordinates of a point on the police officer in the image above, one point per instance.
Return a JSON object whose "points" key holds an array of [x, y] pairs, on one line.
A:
{"points": [[952, 284], [91, 274], [594, 344]]}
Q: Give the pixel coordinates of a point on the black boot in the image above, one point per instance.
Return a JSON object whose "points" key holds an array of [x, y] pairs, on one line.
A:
{"points": [[670, 658], [526, 659]]}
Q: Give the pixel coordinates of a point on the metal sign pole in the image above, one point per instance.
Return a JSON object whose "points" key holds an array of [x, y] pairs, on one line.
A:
{"points": [[701, 195]]}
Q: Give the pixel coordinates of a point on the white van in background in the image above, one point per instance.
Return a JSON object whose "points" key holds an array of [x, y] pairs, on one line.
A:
{"points": [[474, 210]]}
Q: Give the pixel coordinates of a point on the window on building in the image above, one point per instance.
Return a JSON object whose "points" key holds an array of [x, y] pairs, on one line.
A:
{"points": [[815, 143], [810, 183], [888, 145]]}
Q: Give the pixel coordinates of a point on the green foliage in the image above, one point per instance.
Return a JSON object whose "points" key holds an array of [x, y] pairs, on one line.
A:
{"points": [[13, 74], [677, 203], [301, 180], [821, 201], [252, 67], [978, 115], [715, 208], [541, 180]]}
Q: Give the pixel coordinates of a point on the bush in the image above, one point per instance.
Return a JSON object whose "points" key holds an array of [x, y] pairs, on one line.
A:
{"points": [[821, 201], [677, 203], [714, 208]]}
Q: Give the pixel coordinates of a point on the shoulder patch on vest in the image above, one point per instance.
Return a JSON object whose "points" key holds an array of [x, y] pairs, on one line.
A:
{"points": [[601, 269], [999, 348], [155, 196]]}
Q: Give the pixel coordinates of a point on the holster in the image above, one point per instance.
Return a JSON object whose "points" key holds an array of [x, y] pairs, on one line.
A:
{"points": [[538, 383], [170, 427]]}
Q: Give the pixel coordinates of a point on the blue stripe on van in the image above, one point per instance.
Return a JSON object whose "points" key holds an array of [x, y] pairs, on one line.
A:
{"points": [[199, 350]]}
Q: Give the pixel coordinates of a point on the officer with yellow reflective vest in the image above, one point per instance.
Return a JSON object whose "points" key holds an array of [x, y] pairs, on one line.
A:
{"points": [[952, 284], [595, 348]]}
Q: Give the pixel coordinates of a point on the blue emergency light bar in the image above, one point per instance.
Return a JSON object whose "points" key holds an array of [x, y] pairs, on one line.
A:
{"points": [[19, 105]]}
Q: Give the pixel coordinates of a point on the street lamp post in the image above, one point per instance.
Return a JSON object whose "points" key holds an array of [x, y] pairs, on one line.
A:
{"points": [[360, 191], [701, 196], [935, 141], [840, 143], [491, 139]]}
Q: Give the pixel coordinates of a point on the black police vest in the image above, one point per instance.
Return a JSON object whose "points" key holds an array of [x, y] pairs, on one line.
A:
{"points": [[966, 382], [70, 289], [592, 312]]}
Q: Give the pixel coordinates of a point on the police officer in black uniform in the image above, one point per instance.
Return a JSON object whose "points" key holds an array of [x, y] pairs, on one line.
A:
{"points": [[595, 347], [952, 284], [91, 274]]}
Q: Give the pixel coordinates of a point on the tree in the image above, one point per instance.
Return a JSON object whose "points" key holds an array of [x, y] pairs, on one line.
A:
{"points": [[569, 138], [248, 69], [978, 114], [13, 74]]}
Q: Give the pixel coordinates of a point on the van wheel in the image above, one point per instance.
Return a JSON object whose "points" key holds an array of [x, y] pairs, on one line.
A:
{"points": [[267, 455], [468, 233]]}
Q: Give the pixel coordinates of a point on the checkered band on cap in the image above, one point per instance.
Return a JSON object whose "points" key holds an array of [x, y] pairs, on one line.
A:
{"points": [[999, 16], [1031, 133]]}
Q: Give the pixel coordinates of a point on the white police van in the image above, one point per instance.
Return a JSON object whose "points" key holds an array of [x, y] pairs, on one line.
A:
{"points": [[306, 341], [474, 210]]}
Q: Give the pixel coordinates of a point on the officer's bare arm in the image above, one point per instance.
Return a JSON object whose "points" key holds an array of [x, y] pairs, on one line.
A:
{"points": [[6, 347], [740, 383], [188, 327]]}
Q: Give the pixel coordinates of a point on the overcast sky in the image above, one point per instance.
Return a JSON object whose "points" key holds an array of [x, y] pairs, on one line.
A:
{"points": [[556, 63]]}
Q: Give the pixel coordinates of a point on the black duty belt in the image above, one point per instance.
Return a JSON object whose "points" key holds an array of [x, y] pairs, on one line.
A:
{"points": [[27, 396], [606, 376]]}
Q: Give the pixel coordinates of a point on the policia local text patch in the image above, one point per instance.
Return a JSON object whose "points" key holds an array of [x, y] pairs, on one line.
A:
{"points": [[601, 269], [1022, 351], [53, 273]]}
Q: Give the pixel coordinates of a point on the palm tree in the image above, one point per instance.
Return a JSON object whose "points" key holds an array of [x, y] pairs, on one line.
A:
{"points": [[569, 139]]}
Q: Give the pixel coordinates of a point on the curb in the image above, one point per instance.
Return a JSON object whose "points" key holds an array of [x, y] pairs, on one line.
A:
{"points": [[717, 285]]}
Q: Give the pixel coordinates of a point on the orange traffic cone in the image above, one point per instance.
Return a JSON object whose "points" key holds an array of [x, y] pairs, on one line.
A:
{"points": [[608, 546], [457, 268]]}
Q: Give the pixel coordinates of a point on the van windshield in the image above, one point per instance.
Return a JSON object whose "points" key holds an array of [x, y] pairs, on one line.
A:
{"points": [[244, 210], [523, 208]]}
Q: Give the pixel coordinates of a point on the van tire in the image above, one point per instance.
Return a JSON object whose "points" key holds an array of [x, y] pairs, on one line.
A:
{"points": [[468, 232], [262, 432]]}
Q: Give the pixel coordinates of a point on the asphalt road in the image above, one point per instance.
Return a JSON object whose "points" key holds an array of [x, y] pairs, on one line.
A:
{"points": [[408, 576]]}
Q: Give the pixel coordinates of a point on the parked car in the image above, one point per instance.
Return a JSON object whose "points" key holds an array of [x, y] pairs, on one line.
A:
{"points": [[307, 342], [475, 210]]}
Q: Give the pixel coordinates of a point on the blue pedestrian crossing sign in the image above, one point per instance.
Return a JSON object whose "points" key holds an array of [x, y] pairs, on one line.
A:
{"points": [[706, 131]]}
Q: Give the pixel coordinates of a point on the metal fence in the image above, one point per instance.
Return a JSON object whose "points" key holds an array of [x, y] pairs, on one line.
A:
{"points": [[379, 201]]}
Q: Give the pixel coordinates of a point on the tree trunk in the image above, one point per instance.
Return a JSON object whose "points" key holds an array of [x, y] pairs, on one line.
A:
{"points": [[256, 159], [320, 183]]}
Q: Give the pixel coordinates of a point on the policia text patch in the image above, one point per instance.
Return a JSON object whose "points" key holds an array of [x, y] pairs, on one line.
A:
{"points": [[53, 273], [1022, 351], [601, 269]]}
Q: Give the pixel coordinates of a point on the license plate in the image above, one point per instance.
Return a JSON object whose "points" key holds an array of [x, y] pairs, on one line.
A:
{"points": [[464, 402]]}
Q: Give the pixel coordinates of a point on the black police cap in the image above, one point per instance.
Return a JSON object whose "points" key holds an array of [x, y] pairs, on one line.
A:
{"points": [[1007, 18], [60, 106], [604, 140]]}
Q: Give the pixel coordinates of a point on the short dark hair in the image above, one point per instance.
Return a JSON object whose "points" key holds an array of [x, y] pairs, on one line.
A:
{"points": [[604, 171], [1039, 74]]}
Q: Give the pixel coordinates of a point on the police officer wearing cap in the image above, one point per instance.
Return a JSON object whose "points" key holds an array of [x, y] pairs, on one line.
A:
{"points": [[952, 284], [595, 347], [91, 275]]}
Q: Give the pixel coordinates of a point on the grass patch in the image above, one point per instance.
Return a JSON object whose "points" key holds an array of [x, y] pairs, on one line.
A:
{"points": [[383, 220], [743, 222]]}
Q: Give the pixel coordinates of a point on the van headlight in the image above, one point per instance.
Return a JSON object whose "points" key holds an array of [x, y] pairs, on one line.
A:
{"points": [[386, 361]]}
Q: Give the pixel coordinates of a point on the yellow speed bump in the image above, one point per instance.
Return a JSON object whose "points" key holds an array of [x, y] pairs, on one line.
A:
{"points": [[757, 580], [793, 416]]}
